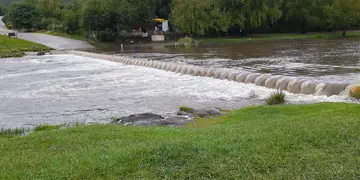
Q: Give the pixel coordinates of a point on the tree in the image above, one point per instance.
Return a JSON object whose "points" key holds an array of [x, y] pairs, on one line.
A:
{"points": [[343, 14], [2, 10], [49, 8], [24, 15], [305, 11], [71, 17], [142, 12], [248, 14], [163, 8], [106, 18], [196, 17]]}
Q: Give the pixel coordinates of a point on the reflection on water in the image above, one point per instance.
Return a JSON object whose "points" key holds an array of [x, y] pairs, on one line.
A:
{"points": [[330, 60]]}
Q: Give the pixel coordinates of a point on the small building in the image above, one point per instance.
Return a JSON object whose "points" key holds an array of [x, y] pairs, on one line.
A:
{"points": [[161, 26]]}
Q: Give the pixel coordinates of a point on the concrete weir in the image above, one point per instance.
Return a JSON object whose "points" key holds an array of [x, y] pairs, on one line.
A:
{"points": [[284, 83]]}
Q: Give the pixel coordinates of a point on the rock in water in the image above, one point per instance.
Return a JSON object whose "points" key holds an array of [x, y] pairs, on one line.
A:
{"points": [[141, 119], [41, 53], [207, 112], [150, 119]]}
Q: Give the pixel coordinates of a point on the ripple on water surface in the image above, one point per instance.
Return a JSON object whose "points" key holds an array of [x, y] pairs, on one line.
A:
{"points": [[64, 88], [327, 60]]}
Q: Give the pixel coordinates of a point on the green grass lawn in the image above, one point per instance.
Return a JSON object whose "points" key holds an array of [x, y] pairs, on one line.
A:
{"points": [[272, 37], [10, 47], [320, 141]]}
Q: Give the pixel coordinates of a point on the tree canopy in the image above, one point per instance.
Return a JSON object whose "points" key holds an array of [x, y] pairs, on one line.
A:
{"points": [[106, 19], [24, 16], [343, 14]]}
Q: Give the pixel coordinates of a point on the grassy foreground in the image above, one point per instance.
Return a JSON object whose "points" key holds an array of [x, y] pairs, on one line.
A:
{"points": [[10, 47], [273, 37], [320, 141]]}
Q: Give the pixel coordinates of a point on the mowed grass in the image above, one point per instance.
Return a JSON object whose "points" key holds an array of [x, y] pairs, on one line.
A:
{"points": [[11, 47], [319, 141], [284, 36]]}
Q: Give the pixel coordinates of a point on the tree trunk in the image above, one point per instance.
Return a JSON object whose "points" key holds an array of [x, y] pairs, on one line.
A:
{"points": [[344, 33], [303, 26]]}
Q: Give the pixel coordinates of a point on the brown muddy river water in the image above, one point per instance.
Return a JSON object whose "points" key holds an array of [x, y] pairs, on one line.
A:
{"points": [[327, 60]]}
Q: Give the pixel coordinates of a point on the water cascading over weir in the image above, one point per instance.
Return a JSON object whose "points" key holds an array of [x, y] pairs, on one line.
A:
{"points": [[278, 82]]}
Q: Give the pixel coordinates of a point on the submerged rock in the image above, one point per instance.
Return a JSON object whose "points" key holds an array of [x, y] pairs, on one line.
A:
{"points": [[41, 53], [207, 112], [202, 113], [138, 118], [150, 119], [181, 119]]}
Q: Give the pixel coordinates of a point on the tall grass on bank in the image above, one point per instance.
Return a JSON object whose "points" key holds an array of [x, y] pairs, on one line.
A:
{"points": [[276, 98]]}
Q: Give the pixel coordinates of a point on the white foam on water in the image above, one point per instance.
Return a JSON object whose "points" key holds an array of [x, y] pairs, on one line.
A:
{"points": [[165, 83], [72, 88]]}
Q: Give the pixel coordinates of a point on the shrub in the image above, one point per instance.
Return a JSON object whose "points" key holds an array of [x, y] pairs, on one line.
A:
{"points": [[114, 119], [276, 98], [186, 109], [355, 92], [46, 128], [187, 41]]}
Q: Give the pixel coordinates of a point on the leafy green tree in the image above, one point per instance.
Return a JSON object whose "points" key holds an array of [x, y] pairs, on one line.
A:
{"points": [[49, 8], [163, 8], [92, 16], [24, 15], [71, 17], [305, 12], [257, 12], [196, 17], [2, 10], [105, 18], [248, 14], [343, 14]]}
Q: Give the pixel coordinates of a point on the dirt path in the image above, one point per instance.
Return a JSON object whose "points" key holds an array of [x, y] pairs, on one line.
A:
{"points": [[55, 42]]}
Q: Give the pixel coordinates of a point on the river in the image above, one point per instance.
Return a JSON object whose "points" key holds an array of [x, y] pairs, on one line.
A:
{"points": [[58, 89], [336, 60]]}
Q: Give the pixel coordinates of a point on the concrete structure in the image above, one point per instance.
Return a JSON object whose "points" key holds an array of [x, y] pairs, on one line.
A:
{"points": [[284, 83]]}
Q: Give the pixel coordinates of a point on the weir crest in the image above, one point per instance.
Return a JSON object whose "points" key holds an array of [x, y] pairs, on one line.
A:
{"points": [[278, 82]]}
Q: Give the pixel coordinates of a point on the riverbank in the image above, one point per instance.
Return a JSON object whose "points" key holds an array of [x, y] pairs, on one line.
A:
{"points": [[275, 37], [318, 141], [13, 47], [252, 38], [214, 40]]}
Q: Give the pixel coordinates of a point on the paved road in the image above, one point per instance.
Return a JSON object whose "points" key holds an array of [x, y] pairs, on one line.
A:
{"points": [[55, 42]]}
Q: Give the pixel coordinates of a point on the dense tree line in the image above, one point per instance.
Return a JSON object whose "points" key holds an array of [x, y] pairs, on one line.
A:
{"points": [[105, 19], [2, 10], [199, 17]]}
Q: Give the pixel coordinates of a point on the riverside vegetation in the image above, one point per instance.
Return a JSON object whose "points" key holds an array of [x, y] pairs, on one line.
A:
{"points": [[276, 98], [105, 20], [317, 141], [13, 47]]}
